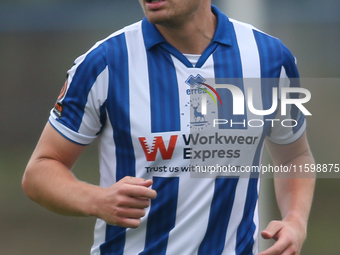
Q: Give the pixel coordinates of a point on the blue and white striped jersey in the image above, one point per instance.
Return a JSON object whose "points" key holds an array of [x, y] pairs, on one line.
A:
{"points": [[135, 92]]}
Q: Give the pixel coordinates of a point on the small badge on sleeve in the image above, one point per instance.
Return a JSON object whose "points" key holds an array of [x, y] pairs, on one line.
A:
{"points": [[58, 107]]}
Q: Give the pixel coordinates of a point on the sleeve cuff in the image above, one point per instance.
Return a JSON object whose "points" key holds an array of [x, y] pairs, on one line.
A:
{"points": [[70, 134], [290, 137]]}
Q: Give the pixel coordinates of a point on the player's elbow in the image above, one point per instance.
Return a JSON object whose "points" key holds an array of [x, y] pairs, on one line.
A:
{"points": [[28, 183]]}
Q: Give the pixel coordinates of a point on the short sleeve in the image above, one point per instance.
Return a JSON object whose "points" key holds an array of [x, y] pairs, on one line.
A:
{"points": [[290, 127], [79, 113]]}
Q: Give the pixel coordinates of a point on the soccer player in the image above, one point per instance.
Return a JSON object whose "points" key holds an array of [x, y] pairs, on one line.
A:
{"points": [[135, 91]]}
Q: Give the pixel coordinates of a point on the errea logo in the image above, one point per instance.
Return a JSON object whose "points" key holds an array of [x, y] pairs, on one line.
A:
{"points": [[193, 81]]}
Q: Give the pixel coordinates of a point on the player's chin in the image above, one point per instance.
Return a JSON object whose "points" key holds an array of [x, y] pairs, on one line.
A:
{"points": [[163, 18], [156, 17]]}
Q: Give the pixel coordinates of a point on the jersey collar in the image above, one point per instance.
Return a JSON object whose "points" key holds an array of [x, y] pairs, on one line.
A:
{"points": [[153, 37]]}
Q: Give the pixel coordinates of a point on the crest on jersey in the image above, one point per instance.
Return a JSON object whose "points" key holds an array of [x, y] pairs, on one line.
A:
{"points": [[199, 89]]}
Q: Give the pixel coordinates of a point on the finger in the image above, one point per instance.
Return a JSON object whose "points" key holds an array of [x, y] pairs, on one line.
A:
{"points": [[147, 183], [133, 213], [272, 229], [139, 191], [136, 181], [127, 222], [290, 251], [134, 202], [280, 246]]}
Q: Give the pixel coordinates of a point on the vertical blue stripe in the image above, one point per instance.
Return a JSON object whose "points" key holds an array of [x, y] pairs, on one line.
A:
{"points": [[220, 211], [270, 62], [270, 55], [228, 70], [177, 54], [271, 59], [289, 63], [270, 65], [274, 55], [267, 86], [162, 215], [119, 113], [246, 229], [82, 82], [293, 74], [164, 95]]}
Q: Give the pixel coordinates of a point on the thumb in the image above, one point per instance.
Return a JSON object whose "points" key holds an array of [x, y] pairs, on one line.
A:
{"points": [[271, 230]]}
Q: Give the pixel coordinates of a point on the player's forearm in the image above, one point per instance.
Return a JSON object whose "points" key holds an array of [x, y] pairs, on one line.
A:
{"points": [[52, 185], [295, 194]]}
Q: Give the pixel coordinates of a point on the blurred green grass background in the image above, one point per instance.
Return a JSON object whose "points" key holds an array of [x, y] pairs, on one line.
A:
{"points": [[33, 64]]}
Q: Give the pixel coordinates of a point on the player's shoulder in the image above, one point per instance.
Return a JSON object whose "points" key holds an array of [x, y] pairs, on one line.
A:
{"points": [[133, 27], [246, 26], [264, 40], [109, 42]]}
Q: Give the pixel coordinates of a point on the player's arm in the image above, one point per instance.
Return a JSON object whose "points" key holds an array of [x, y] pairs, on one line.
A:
{"points": [[48, 180], [294, 197]]}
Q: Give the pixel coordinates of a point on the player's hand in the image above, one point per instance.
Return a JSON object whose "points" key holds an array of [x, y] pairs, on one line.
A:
{"points": [[124, 203], [289, 236]]}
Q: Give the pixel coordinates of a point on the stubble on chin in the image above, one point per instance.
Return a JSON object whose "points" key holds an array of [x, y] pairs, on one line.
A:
{"points": [[164, 20]]}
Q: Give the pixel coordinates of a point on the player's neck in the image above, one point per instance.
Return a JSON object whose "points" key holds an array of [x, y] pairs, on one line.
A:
{"points": [[192, 37]]}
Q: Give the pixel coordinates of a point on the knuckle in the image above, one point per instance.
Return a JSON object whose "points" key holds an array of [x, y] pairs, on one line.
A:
{"points": [[142, 191], [122, 189], [145, 192], [146, 204], [121, 202], [290, 240], [136, 223], [125, 178], [276, 250], [295, 250], [142, 213], [119, 211], [118, 221]]}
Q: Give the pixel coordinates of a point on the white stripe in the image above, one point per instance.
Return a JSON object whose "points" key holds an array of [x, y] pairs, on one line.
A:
{"points": [[139, 92], [248, 49], [99, 236], [70, 134], [90, 124], [107, 159], [107, 178], [236, 216], [140, 120], [192, 215], [251, 71], [107, 156]]}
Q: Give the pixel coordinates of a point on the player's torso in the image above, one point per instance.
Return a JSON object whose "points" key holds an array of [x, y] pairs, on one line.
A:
{"points": [[156, 117], [156, 130]]}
